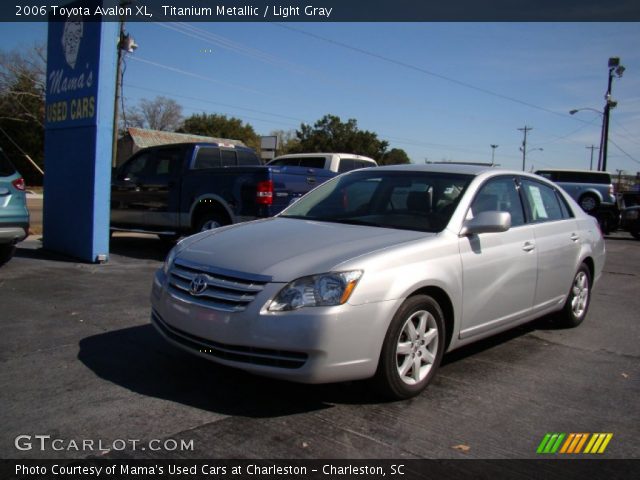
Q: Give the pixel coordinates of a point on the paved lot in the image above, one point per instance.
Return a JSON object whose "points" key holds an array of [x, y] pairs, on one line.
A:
{"points": [[80, 361]]}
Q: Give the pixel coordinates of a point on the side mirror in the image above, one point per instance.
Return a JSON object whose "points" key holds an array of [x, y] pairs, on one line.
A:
{"points": [[487, 222]]}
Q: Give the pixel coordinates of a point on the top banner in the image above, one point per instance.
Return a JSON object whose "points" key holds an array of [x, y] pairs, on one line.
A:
{"points": [[326, 11]]}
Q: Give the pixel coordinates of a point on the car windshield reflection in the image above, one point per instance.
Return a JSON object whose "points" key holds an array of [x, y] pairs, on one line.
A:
{"points": [[422, 201]]}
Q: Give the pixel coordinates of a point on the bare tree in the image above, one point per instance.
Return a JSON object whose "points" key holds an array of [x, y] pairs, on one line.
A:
{"points": [[22, 109], [161, 113], [23, 85]]}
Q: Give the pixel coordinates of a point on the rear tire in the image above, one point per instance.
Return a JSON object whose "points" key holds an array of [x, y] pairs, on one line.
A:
{"points": [[589, 202], [209, 221], [412, 349], [577, 304]]}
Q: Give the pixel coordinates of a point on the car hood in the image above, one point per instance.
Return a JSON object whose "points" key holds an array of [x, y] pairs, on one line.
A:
{"points": [[285, 249]]}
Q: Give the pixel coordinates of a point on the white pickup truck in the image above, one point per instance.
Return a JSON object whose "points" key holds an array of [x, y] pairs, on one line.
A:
{"points": [[335, 162]]}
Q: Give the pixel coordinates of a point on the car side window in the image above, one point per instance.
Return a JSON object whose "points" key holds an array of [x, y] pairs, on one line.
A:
{"points": [[346, 165], [207, 157], [135, 167], [312, 162], [564, 207], [246, 157], [228, 157], [501, 195], [166, 162], [543, 203]]}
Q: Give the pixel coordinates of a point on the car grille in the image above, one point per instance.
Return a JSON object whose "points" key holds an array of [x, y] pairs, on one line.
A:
{"points": [[219, 290], [256, 356]]}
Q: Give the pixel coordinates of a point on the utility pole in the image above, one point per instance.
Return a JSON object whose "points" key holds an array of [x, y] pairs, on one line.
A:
{"points": [[620, 172], [618, 70], [493, 154], [125, 44], [114, 141], [523, 148], [592, 148]]}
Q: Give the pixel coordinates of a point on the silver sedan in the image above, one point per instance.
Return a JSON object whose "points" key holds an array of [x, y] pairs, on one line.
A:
{"points": [[376, 273]]}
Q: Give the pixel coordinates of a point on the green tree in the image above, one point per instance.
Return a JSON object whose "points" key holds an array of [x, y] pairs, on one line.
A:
{"points": [[330, 134], [22, 93], [395, 156], [214, 125]]}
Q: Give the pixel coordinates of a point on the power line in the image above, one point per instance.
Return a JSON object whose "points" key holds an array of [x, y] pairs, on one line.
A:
{"points": [[620, 148], [419, 69], [164, 92], [198, 76]]}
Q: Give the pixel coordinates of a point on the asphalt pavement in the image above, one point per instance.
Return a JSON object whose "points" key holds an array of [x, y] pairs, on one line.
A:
{"points": [[80, 361]]}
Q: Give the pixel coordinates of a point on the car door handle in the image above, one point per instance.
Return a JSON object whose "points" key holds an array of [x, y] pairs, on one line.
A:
{"points": [[574, 237], [311, 180], [528, 246]]}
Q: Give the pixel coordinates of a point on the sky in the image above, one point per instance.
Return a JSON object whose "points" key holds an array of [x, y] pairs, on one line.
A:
{"points": [[440, 91]]}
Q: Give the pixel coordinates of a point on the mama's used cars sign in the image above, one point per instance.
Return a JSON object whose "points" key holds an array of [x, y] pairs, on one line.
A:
{"points": [[72, 76], [81, 66]]}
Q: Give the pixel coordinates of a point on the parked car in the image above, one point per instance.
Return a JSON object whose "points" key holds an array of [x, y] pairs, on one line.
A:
{"points": [[335, 162], [591, 189], [630, 220], [14, 216], [179, 189], [378, 272], [629, 199]]}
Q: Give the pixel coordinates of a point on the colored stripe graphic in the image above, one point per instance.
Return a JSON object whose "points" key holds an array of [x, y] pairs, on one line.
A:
{"points": [[598, 443], [553, 443], [550, 443], [574, 443]]}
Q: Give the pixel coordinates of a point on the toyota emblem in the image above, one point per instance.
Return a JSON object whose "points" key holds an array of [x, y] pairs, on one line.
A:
{"points": [[198, 285]]}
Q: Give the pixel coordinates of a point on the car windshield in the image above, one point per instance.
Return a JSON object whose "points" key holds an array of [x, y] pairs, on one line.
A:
{"points": [[422, 201]]}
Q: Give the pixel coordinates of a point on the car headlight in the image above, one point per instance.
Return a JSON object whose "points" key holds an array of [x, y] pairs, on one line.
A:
{"points": [[322, 290], [168, 262]]}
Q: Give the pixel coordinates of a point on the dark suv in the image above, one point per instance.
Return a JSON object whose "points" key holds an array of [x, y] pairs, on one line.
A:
{"points": [[14, 216], [591, 189]]}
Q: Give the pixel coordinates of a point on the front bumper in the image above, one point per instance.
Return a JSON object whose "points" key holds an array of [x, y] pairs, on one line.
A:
{"points": [[310, 345]]}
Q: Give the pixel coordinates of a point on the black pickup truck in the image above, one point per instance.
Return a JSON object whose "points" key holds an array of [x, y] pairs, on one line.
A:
{"points": [[178, 189]]}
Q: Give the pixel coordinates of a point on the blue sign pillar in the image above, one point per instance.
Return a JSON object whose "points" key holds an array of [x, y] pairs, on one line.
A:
{"points": [[81, 76]]}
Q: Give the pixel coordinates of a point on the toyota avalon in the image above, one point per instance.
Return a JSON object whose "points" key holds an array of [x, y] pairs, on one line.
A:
{"points": [[379, 272]]}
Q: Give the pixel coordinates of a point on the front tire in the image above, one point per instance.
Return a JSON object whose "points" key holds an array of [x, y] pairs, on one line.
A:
{"points": [[412, 349], [577, 304]]}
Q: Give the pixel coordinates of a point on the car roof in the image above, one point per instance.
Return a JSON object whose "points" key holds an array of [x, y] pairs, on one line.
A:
{"points": [[466, 169], [571, 170], [320, 154], [198, 144]]}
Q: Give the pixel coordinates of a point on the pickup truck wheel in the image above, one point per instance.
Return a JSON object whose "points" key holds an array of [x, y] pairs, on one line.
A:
{"points": [[209, 221], [589, 202], [412, 349]]}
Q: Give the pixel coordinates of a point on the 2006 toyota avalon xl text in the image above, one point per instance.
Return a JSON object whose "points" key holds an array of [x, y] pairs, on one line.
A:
{"points": [[378, 272]]}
